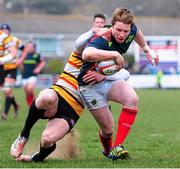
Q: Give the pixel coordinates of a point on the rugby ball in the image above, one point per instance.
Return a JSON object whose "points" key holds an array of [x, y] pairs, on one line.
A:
{"points": [[107, 67]]}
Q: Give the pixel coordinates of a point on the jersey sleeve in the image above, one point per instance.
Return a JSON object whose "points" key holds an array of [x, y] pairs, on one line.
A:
{"points": [[134, 29], [82, 40], [97, 42], [8, 42], [37, 57]]}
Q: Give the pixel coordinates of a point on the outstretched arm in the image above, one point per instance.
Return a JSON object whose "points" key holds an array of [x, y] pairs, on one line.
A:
{"points": [[150, 54]]}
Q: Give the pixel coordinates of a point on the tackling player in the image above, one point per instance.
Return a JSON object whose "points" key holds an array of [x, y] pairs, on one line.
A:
{"points": [[61, 104]]}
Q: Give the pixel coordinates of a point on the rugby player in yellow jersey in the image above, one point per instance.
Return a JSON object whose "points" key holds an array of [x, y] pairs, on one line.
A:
{"points": [[8, 54], [61, 104]]}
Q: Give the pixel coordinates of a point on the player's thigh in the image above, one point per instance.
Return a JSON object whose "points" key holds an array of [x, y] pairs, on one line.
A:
{"points": [[121, 92], [55, 129], [104, 118], [9, 83], [31, 82], [10, 78], [30, 87]]}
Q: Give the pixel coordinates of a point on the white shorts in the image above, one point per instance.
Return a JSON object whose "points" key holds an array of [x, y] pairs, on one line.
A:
{"points": [[96, 96], [8, 85], [31, 79]]}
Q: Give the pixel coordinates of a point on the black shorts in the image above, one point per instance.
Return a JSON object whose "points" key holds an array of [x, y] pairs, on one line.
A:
{"points": [[66, 112], [7, 73]]}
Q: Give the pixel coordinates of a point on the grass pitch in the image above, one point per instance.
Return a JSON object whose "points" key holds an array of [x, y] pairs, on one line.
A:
{"points": [[154, 140]]}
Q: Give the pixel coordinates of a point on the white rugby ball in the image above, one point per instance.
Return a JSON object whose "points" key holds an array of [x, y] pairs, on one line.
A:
{"points": [[107, 67]]}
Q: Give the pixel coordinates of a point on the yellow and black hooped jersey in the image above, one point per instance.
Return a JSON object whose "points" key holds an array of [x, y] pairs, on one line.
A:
{"points": [[7, 41], [12, 65], [67, 85]]}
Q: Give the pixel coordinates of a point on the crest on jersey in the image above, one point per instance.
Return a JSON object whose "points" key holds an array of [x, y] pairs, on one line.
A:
{"points": [[109, 43], [130, 38]]}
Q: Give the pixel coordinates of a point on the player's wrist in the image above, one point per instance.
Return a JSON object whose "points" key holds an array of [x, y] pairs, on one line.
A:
{"points": [[6, 58], [146, 49], [116, 55]]}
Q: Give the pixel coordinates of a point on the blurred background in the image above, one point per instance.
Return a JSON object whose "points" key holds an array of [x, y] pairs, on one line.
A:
{"points": [[55, 24]]}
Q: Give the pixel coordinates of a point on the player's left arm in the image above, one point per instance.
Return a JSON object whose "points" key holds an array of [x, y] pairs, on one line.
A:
{"points": [[40, 66], [150, 54]]}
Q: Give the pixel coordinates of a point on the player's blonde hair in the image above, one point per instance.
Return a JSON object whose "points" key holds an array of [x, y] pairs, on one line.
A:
{"points": [[122, 15]]}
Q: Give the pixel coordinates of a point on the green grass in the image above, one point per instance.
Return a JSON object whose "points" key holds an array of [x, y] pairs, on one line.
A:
{"points": [[153, 141]]}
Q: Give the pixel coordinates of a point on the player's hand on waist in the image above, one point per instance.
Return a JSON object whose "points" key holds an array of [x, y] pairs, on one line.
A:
{"points": [[92, 77], [36, 71]]}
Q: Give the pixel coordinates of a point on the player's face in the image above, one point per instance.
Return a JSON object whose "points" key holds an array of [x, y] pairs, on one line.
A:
{"points": [[120, 31], [31, 47], [99, 22], [6, 31]]}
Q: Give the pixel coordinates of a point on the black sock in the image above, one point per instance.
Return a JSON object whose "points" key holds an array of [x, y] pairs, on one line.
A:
{"points": [[13, 101], [7, 105], [33, 116], [43, 153], [109, 107]]}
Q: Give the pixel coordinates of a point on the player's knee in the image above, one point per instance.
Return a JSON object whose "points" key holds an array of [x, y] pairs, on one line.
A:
{"points": [[29, 91], [49, 99], [8, 91], [46, 98], [132, 100], [47, 139]]}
